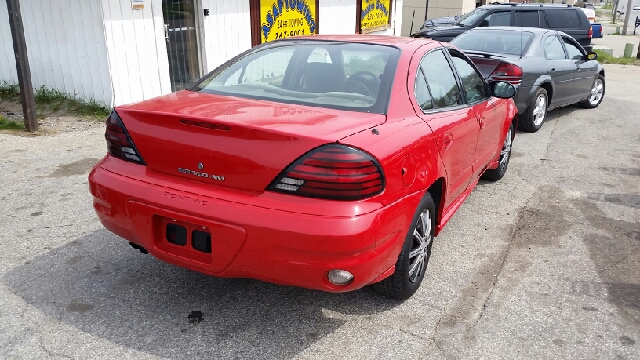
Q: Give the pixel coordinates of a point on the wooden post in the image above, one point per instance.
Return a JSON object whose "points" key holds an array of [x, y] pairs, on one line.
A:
{"points": [[22, 66]]}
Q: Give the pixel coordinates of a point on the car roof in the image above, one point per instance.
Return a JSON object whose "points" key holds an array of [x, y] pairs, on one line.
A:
{"points": [[535, 30], [518, 5], [401, 42]]}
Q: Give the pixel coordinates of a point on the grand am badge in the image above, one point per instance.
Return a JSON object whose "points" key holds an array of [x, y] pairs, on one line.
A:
{"points": [[200, 174]]}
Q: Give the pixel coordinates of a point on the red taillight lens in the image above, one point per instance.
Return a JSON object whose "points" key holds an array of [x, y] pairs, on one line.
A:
{"points": [[119, 143], [332, 171], [590, 34], [508, 72]]}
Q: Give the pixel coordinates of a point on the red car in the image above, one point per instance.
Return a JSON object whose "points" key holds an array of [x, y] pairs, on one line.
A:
{"points": [[325, 162]]}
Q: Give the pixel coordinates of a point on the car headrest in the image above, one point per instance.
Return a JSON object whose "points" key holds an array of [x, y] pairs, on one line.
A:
{"points": [[323, 77]]}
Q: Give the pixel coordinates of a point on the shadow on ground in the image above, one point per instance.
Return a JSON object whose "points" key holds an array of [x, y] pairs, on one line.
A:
{"points": [[101, 286]]}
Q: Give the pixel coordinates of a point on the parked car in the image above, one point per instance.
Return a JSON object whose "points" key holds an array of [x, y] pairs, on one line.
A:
{"points": [[571, 20], [549, 68], [327, 163], [636, 8], [591, 14]]}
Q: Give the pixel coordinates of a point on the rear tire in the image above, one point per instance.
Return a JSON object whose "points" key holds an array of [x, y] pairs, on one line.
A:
{"points": [[533, 117], [505, 155], [414, 256], [596, 95]]}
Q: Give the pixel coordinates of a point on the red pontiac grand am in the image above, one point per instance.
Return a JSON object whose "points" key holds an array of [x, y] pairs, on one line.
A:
{"points": [[325, 162]]}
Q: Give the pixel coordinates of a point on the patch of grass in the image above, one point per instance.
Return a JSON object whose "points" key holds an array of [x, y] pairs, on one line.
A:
{"points": [[56, 101], [87, 108], [6, 124], [9, 91], [605, 58]]}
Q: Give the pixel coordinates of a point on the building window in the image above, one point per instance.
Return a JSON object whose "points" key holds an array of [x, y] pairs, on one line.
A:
{"points": [[279, 19], [373, 15]]}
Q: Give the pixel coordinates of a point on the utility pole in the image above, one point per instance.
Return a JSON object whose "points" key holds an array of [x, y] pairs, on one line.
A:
{"points": [[22, 66], [627, 15]]}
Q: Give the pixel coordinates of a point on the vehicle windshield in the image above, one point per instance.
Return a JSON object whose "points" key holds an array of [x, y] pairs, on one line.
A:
{"points": [[472, 17], [494, 41], [337, 75]]}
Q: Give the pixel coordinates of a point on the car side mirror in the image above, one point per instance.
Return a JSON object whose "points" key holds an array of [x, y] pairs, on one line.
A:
{"points": [[592, 56], [503, 90]]}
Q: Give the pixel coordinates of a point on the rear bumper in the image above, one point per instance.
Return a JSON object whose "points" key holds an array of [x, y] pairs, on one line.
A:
{"points": [[283, 247], [523, 98]]}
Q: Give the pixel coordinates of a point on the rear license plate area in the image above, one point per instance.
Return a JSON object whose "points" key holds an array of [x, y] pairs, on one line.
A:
{"points": [[192, 241]]}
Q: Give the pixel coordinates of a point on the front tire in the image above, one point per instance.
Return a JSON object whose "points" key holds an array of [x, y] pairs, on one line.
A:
{"points": [[505, 155], [414, 256], [533, 117], [596, 95]]}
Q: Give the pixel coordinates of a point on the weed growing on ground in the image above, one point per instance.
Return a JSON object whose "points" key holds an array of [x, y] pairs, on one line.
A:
{"points": [[6, 124], [605, 58], [54, 100]]}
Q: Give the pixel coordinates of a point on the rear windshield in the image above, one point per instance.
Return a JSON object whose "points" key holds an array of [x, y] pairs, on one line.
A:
{"points": [[337, 75], [494, 41], [563, 19]]}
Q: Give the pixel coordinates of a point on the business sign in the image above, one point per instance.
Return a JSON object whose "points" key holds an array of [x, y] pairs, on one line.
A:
{"points": [[280, 19], [374, 15]]}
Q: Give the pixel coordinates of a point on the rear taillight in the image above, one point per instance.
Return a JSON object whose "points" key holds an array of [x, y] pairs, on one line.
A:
{"points": [[508, 72], [332, 171], [590, 34], [119, 143]]}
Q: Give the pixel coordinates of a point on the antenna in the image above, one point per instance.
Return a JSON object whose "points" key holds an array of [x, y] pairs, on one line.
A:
{"points": [[521, 48], [412, 17]]}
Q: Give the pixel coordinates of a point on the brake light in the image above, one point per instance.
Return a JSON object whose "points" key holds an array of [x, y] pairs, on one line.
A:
{"points": [[332, 171], [508, 72], [119, 143], [590, 34]]}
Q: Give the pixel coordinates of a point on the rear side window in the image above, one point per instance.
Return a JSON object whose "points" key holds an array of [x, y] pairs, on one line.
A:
{"points": [[423, 96], [527, 19], [563, 19], [444, 87], [498, 18], [553, 49]]}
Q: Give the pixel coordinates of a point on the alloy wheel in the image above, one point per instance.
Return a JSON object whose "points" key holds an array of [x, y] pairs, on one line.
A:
{"points": [[506, 149], [540, 109], [422, 237], [597, 92]]}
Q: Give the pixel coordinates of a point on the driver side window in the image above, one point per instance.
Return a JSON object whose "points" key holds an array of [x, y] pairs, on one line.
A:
{"points": [[474, 86], [574, 52]]}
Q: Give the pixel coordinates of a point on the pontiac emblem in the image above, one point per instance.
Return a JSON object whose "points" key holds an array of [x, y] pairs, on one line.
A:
{"points": [[200, 166]]}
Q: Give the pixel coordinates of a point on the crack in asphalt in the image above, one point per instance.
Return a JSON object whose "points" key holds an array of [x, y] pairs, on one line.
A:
{"points": [[501, 266]]}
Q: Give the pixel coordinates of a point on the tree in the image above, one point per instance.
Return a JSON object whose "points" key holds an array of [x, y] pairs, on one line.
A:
{"points": [[627, 16]]}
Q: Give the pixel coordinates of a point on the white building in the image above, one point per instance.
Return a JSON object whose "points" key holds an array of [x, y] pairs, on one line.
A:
{"points": [[122, 51]]}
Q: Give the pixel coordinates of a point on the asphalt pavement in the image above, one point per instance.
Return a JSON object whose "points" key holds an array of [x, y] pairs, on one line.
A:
{"points": [[543, 264]]}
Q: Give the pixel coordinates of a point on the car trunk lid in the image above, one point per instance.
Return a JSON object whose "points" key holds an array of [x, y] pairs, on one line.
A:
{"points": [[231, 141]]}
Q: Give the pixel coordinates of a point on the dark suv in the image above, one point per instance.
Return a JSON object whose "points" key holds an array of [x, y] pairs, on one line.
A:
{"points": [[566, 18]]}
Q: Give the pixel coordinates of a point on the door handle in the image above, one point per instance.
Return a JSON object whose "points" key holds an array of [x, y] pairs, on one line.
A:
{"points": [[166, 32], [481, 122]]}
